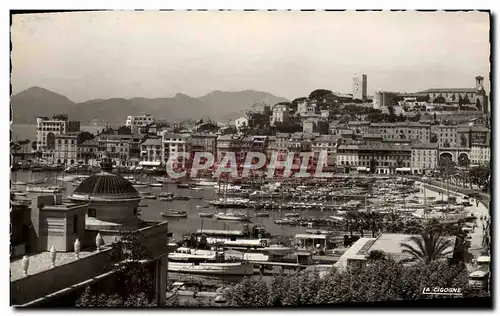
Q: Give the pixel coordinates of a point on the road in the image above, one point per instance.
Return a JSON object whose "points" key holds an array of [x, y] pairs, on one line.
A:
{"points": [[479, 210]]}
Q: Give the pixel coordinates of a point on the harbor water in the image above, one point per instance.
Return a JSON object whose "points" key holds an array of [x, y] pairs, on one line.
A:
{"points": [[179, 226]]}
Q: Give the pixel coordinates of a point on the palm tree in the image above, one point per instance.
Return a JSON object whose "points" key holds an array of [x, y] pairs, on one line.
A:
{"points": [[427, 247], [352, 219], [412, 227], [374, 222]]}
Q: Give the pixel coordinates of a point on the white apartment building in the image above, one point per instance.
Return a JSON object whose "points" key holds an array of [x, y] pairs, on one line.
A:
{"points": [[174, 145], [151, 152], [424, 157], [280, 114], [46, 131], [66, 149], [480, 155], [114, 147], [137, 121]]}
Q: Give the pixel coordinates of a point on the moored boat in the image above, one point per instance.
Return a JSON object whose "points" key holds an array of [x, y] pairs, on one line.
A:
{"points": [[172, 213], [156, 185], [202, 214], [262, 214], [232, 217], [230, 268], [38, 189]]}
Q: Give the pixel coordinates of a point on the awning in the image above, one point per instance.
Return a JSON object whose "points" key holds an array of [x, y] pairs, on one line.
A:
{"points": [[150, 163], [403, 169], [362, 169]]}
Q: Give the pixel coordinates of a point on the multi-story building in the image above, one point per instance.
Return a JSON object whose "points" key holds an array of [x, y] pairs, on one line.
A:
{"points": [[88, 152], [378, 158], [114, 147], [46, 131], [229, 144], [383, 99], [480, 145], [204, 142], [151, 152], [66, 151], [326, 143], [446, 135], [424, 157], [312, 125], [347, 156], [413, 131], [240, 123], [174, 146], [139, 121], [475, 96], [480, 155], [302, 107], [359, 127], [280, 114], [359, 87]]}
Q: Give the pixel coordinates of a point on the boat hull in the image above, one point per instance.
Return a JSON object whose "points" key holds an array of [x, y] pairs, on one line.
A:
{"points": [[225, 217], [181, 215], [239, 268]]}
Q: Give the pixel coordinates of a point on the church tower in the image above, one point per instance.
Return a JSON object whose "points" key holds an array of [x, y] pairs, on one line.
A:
{"points": [[480, 97]]}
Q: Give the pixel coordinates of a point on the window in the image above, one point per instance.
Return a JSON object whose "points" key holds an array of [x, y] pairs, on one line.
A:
{"points": [[75, 224], [92, 212]]}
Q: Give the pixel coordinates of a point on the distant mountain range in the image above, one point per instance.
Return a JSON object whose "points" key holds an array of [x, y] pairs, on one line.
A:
{"points": [[218, 105]]}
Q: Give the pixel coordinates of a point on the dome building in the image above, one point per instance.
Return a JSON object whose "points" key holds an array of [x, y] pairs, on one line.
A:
{"points": [[113, 200]]}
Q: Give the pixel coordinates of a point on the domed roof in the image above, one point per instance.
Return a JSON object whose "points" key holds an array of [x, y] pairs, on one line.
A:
{"points": [[107, 186]]}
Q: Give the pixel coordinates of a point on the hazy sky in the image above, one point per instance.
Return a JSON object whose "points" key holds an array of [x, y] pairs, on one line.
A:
{"points": [[158, 54]]}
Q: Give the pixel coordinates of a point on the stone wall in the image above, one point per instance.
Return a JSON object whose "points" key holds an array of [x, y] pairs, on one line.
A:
{"points": [[38, 285]]}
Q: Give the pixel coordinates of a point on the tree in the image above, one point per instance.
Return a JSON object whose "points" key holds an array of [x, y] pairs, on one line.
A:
{"points": [[486, 240], [345, 119], [373, 221], [439, 100], [479, 174], [381, 280], [288, 127], [392, 115], [295, 103], [463, 141], [376, 255], [319, 95], [373, 165], [108, 131], [427, 247], [134, 282], [250, 292], [34, 145], [478, 105], [352, 222], [83, 137], [124, 130]]}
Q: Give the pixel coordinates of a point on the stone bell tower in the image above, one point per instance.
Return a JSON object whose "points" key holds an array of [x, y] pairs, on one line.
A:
{"points": [[480, 97]]}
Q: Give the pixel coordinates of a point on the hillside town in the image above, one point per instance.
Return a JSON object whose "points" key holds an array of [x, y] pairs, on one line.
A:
{"points": [[393, 134]]}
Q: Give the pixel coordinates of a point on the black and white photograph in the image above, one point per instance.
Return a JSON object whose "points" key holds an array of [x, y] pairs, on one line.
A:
{"points": [[250, 158]]}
